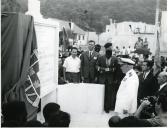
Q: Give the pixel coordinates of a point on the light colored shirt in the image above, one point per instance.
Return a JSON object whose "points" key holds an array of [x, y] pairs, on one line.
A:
{"points": [[146, 74], [139, 44], [127, 93], [117, 51], [145, 44], [129, 51], [108, 62], [90, 53], [123, 51], [72, 64], [163, 85]]}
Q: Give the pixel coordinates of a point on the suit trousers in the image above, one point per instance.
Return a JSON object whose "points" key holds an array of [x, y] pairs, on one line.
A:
{"points": [[73, 77]]}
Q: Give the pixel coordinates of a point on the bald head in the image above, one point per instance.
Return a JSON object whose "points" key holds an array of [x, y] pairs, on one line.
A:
{"points": [[162, 78]]}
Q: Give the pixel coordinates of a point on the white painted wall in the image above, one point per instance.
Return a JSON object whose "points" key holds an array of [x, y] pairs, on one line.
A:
{"points": [[77, 99], [81, 41], [92, 36], [48, 44], [127, 40]]}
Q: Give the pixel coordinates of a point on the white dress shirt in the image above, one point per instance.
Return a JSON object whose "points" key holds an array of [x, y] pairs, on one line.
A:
{"points": [[72, 64]]}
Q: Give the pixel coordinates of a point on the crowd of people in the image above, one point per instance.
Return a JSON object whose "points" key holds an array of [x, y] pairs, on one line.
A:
{"points": [[152, 111], [128, 79], [15, 115], [133, 90]]}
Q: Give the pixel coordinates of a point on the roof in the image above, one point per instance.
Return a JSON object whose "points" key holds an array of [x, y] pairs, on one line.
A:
{"points": [[76, 29]]}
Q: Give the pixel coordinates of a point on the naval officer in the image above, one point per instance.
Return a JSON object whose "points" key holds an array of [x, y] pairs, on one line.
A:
{"points": [[126, 99]]}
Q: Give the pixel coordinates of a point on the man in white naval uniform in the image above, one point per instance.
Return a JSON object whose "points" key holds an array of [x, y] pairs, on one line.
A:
{"points": [[126, 99]]}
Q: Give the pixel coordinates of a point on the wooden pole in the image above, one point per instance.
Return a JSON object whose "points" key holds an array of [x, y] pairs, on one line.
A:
{"points": [[157, 60], [157, 16]]}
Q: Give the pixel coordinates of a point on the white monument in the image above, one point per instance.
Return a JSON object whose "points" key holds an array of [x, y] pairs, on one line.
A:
{"points": [[47, 31], [73, 98]]}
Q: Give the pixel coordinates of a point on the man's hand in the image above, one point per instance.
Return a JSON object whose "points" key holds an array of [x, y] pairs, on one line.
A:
{"points": [[96, 79], [125, 111], [145, 103], [66, 81], [82, 79], [141, 107]]}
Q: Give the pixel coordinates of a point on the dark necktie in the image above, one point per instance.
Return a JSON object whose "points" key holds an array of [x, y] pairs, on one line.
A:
{"points": [[144, 75], [90, 54]]}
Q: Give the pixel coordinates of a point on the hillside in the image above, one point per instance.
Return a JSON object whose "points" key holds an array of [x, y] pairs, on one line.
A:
{"points": [[92, 15], [95, 14]]}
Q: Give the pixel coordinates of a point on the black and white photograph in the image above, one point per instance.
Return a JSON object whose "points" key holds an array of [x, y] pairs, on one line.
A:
{"points": [[83, 63]]}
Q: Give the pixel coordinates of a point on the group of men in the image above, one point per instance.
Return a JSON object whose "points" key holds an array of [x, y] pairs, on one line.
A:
{"points": [[82, 68], [141, 44], [91, 67], [123, 85]]}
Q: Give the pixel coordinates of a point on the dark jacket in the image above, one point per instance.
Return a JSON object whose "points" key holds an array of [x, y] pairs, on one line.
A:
{"points": [[148, 86], [106, 75], [88, 64]]}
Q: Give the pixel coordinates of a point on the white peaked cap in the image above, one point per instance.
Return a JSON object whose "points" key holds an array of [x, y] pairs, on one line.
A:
{"points": [[126, 60]]}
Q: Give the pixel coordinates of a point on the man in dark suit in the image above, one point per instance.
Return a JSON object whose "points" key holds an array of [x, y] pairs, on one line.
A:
{"points": [[149, 83], [88, 64], [106, 65], [109, 74]]}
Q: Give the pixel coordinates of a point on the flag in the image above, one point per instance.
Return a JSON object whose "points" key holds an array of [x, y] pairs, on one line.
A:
{"points": [[32, 83], [65, 39], [157, 59], [19, 63]]}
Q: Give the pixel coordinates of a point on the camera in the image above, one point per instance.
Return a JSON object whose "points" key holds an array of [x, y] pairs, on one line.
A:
{"points": [[152, 100], [150, 109]]}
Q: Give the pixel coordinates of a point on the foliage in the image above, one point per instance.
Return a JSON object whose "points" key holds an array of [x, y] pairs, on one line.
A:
{"points": [[92, 15]]}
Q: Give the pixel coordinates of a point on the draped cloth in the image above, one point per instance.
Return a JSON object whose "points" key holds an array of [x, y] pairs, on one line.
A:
{"points": [[19, 61]]}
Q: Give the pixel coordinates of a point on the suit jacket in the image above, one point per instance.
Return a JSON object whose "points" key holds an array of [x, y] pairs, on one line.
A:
{"points": [[163, 89], [88, 64], [106, 75], [148, 86]]}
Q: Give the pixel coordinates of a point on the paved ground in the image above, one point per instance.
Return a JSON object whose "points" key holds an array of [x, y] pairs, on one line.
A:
{"points": [[87, 120]]}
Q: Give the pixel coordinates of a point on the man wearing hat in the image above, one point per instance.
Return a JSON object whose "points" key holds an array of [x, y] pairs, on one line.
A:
{"points": [[105, 64], [109, 75], [126, 99]]}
